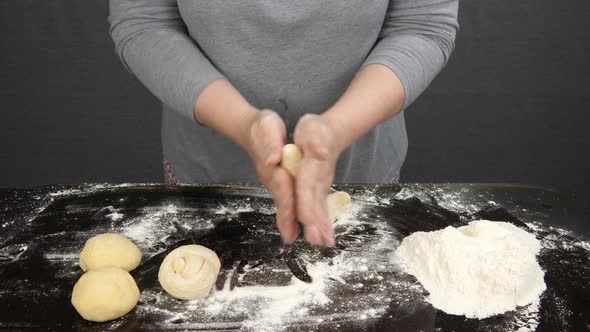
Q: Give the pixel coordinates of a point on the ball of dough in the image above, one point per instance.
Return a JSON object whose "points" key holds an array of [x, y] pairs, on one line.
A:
{"points": [[337, 204], [105, 294], [109, 249], [189, 272], [290, 157]]}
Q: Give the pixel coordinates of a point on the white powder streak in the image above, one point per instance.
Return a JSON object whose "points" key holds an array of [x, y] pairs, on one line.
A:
{"points": [[153, 225], [114, 216], [279, 301], [61, 257]]}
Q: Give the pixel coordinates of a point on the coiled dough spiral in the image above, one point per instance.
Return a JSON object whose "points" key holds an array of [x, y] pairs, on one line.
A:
{"points": [[189, 272]]}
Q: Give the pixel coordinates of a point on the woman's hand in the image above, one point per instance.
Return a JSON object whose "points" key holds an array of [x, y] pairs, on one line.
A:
{"points": [[315, 136], [374, 95], [262, 134], [265, 136]]}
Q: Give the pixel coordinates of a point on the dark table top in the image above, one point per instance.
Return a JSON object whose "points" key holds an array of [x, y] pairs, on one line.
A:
{"points": [[264, 285]]}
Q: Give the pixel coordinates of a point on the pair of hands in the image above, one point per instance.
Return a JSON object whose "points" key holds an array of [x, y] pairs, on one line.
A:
{"points": [[374, 95], [303, 200]]}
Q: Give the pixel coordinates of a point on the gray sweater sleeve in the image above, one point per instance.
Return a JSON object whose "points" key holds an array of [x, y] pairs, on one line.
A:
{"points": [[149, 32], [416, 41]]}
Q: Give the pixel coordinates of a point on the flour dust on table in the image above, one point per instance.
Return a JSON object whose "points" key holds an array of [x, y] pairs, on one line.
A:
{"points": [[358, 285], [263, 293]]}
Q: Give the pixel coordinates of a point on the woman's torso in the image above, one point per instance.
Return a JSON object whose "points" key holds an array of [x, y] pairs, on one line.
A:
{"points": [[294, 57]]}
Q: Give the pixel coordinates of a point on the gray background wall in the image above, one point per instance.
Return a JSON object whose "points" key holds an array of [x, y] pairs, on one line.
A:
{"points": [[511, 106]]}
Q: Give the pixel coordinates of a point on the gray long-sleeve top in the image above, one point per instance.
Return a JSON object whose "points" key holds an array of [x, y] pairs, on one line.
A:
{"points": [[294, 57]]}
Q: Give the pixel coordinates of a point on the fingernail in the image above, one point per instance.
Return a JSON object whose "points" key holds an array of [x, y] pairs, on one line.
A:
{"points": [[313, 235], [327, 239], [288, 238], [270, 158]]}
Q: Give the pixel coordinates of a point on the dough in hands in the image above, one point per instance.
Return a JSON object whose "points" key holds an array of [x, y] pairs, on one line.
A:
{"points": [[337, 202], [189, 272], [105, 294], [290, 157], [109, 249]]}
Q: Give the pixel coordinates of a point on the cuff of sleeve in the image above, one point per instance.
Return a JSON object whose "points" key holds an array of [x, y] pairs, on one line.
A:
{"points": [[189, 109], [414, 59], [188, 86]]}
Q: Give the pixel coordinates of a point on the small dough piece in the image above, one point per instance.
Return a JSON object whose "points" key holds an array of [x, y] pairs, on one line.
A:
{"points": [[337, 204], [105, 294], [189, 272], [109, 249], [290, 157]]}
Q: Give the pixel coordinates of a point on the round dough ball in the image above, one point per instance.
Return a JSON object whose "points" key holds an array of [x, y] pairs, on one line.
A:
{"points": [[290, 157], [109, 249], [337, 204], [189, 272], [105, 294]]}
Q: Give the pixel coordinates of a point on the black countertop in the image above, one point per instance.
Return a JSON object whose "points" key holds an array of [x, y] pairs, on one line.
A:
{"points": [[355, 286]]}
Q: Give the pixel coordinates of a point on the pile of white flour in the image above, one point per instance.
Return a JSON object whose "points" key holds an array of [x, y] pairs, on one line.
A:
{"points": [[479, 270]]}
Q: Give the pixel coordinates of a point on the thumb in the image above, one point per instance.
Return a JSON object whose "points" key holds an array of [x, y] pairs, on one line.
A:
{"points": [[273, 136], [272, 154]]}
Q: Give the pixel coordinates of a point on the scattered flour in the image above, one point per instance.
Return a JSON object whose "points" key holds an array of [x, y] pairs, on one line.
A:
{"points": [[114, 216], [273, 308], [62, 257], [479, 270], [276, 302], [456, 200], [555, 240], [93, 187], [12, 252], [224, 210], [265, 308], [261, 308], [350, 216], [369, 197], [528, 319], [153, 225], [583, 245]]}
